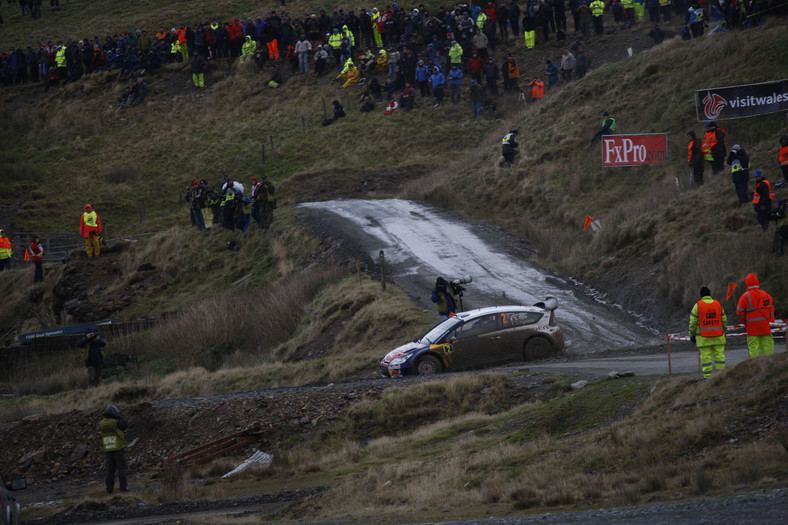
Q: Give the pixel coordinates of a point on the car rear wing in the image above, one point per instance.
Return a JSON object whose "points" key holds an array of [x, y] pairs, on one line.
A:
{"points": [[550, 303]]}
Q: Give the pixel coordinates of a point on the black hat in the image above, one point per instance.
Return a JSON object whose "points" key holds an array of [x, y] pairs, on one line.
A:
{"points": [[704, 291]]}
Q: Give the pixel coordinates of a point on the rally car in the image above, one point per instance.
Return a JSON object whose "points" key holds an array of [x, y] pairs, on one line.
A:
{"points": [[479, 338]]}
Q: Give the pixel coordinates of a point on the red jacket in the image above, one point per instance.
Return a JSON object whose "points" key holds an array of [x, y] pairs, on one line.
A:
{"points": [[475, 65], [36, 251], [85, 223], [755, 308]]}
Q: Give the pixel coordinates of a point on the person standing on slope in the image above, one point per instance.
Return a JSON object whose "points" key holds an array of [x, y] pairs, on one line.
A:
{"points": [[707, 326], [756, 310], [90, 229]]}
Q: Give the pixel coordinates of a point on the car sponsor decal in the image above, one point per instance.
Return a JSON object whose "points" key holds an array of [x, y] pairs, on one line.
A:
{"points": [[446, 348]]}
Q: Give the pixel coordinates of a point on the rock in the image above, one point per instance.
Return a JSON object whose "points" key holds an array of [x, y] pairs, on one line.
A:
{"points": [[32, 418], [615, 374], [577, 385], [78, 453]]}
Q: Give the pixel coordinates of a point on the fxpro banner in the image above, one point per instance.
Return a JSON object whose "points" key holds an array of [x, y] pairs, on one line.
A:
{"points": [[742, 101], [634, 150]]}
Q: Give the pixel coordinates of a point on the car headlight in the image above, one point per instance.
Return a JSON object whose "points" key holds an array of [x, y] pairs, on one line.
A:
{"points": [[398, 361]]}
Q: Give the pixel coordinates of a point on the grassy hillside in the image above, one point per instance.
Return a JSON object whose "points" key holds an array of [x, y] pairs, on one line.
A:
{"points": [[612, 443], [69, 146]]}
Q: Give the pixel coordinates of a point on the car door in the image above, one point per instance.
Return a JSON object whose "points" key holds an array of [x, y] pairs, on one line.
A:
{"points": [[473, 343], [515, 328]]}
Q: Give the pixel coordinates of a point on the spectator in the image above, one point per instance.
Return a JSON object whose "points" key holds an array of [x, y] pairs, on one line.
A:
{"points": [[113, 442], [739, 162], [756, 310], [437, 83], [492, 73], [567, 65], [455, 80], [198, 70], [406, 99], [135, 95], [302, 49], [782, 156], [477, 97], [581, 62], [444, 298], [514, 73], [509, 147], [5, 252], [552, 74], [762, 199], [695, 159], [92, 355], [608, 128]]}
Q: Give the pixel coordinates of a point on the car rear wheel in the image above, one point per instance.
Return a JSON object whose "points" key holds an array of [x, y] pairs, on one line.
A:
{"points": [[537, 348], [427, 365]]}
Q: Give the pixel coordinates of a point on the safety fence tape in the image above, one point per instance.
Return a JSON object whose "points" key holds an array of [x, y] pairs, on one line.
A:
{"points": [[778, 327]]}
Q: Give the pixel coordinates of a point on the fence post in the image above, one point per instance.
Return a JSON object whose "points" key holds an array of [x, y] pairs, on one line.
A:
{"points": [[382, 272], [670, 366], [142, 212]]}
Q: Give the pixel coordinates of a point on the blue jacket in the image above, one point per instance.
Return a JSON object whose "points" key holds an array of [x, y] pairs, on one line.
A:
{"points": [[438, 80], [455, 76], [422, 73]]}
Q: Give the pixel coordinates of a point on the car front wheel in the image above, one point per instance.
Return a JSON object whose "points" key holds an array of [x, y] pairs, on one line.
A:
{"points": [[427, 365], [537, 348]]}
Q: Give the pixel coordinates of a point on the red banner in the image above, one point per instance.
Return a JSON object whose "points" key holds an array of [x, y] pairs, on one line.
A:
{"points": [[634, 150]]}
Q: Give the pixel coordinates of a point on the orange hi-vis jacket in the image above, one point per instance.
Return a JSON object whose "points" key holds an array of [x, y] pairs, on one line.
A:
{"points": [[784, 156], [537, 88], [756, 197], [755, 308], [710, 319]]}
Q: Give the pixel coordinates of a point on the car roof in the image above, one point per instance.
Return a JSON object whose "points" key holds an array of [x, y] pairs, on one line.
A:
{"points": [[469, 314]]}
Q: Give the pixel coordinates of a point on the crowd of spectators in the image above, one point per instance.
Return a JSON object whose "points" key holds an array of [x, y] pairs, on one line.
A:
{"points": [[466, 35]]}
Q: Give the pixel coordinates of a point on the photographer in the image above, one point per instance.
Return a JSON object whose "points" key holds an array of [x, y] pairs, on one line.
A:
{"points": [[442, 295], [93, 355]]}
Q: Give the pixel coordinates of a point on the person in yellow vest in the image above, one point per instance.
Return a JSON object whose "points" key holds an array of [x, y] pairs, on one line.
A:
{"points": [[382, 61], [5, 252], [481, 20], [629, 9], [351, 77], [60, 61], [608, 128], [597, 10], [455, 53], [90, 229], [707, 326], [113, 442], [335, 42], [247, 50]]}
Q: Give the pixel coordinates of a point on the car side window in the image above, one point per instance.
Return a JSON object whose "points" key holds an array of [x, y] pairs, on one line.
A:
{"points": [[513, 319], [475, 327]]}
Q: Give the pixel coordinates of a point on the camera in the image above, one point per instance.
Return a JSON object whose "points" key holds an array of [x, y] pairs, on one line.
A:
{"points": [[456, 287]]}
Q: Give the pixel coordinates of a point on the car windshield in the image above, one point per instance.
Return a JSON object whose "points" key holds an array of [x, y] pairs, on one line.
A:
{"points": [[434, 335]]}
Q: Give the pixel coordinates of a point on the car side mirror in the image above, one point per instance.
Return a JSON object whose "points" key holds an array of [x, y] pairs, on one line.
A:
{"points": [[18, 484]]}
